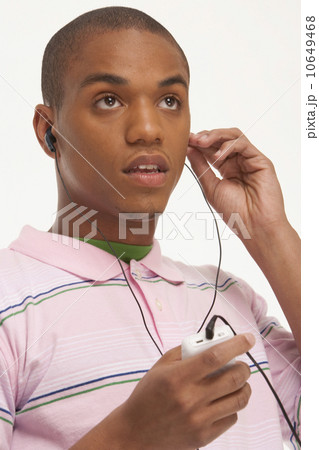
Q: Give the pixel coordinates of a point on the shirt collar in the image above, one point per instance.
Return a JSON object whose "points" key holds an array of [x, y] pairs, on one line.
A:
{"points": [[86, 260]]}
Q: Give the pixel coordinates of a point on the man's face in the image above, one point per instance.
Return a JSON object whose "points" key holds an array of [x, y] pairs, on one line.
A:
{"points": [[126, 111]]}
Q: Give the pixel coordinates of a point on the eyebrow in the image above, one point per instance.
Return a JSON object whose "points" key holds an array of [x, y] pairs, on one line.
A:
{"points": [[177, 79], [117, 80], [104, 78]]}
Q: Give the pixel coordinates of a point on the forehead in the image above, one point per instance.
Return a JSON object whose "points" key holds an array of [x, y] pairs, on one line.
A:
{"points": [[128, 53]]}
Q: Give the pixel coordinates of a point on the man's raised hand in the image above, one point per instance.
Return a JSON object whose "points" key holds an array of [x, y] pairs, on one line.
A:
{"points": [[249, 185]]}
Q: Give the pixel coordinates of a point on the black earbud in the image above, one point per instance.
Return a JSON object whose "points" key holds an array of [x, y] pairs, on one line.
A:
{"points": [[50, 139]]}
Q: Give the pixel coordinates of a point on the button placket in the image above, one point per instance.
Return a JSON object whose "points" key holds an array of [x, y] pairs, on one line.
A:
{"points": [[138, 274], [152, 304], [158, 304]]}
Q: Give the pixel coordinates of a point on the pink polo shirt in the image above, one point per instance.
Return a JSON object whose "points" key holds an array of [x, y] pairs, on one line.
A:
{"points": [[73, 345]]}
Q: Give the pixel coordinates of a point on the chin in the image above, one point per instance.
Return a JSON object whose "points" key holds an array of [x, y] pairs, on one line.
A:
{"points": [[140, 211], [147, 204]]}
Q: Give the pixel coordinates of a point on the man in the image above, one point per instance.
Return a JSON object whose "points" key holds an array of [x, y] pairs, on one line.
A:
{"points": [[80, 351]]}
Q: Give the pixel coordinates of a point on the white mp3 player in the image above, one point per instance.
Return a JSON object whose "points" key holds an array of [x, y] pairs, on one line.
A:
{"points": [[197, 343]]}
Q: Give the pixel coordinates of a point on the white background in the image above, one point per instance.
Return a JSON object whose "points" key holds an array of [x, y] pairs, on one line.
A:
{"points": [[244, 61], [244, 57]]}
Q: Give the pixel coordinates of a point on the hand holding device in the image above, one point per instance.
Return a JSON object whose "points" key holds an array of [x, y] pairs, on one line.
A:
{"points": [[176, 405], [197, 343]]}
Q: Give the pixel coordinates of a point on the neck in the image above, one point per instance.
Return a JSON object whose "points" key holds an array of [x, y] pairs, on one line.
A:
{"points": [[122, 228]]}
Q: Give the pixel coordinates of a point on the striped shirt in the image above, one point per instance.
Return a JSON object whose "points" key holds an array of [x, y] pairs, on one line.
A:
{"points": [[73, 345]]}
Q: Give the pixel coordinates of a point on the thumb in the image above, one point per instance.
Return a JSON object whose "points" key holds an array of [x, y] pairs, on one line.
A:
{"points": [[174, 354]]}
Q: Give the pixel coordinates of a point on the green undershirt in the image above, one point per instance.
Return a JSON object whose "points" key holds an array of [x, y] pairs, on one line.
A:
{"points": [[128, 251]]}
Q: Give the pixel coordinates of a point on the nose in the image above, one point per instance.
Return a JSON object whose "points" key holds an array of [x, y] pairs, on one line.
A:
{"points": [[144, 124]]}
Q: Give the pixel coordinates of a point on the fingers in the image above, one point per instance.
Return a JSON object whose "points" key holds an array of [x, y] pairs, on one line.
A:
{"points": [[214, 138], [221, 143], [223, 412], [174, 354], [231, 404], [218, 417], [171, 356], [222, 425], [180, 392], [201, 436], [229, 381], [219, 355]]}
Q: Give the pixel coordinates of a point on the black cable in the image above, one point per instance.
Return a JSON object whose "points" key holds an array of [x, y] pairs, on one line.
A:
{"points": [[220, 247], [213, 320], [213, 302], [115, 254], [267, 381]]}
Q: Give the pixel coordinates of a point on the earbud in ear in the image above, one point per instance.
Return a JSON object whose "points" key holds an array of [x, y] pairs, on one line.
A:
{"points": [[50, 139]]}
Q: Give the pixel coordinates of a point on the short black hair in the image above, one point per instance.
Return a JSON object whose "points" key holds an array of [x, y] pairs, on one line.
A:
{"points": [[64, 46]]}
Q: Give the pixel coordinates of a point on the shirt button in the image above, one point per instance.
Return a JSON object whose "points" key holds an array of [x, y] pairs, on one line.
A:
{"points": [[138, 274], [158, 304]]}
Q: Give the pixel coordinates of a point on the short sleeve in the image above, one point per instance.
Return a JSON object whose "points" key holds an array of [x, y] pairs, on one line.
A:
{"points": [[7, 400], [284, 362]]}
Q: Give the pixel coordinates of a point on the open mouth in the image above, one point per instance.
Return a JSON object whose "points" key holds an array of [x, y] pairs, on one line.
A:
{"points": [[148, 170], [145, 168]]}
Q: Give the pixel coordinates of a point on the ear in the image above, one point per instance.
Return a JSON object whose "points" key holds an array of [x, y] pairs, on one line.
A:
{"points": [[42, 120]]}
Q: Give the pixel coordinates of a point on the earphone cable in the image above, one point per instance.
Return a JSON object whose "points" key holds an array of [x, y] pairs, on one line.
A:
{"points": [[225, 321], [115, 254], [268, 382], [119, 261], [211, 307], [219, 243]]}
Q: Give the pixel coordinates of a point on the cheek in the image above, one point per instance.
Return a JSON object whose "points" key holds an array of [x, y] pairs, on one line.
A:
{"points": [[183, 131], [89, 167], [182, 139], [179, 161], [88, 131], [88, 146]]}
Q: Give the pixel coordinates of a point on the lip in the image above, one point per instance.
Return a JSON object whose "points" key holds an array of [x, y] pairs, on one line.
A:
{"points": [[151, 179], [157, 160]]}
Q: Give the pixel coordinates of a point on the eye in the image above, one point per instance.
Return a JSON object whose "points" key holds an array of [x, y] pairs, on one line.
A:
{"points": [[170, 102], [108, 102]]}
